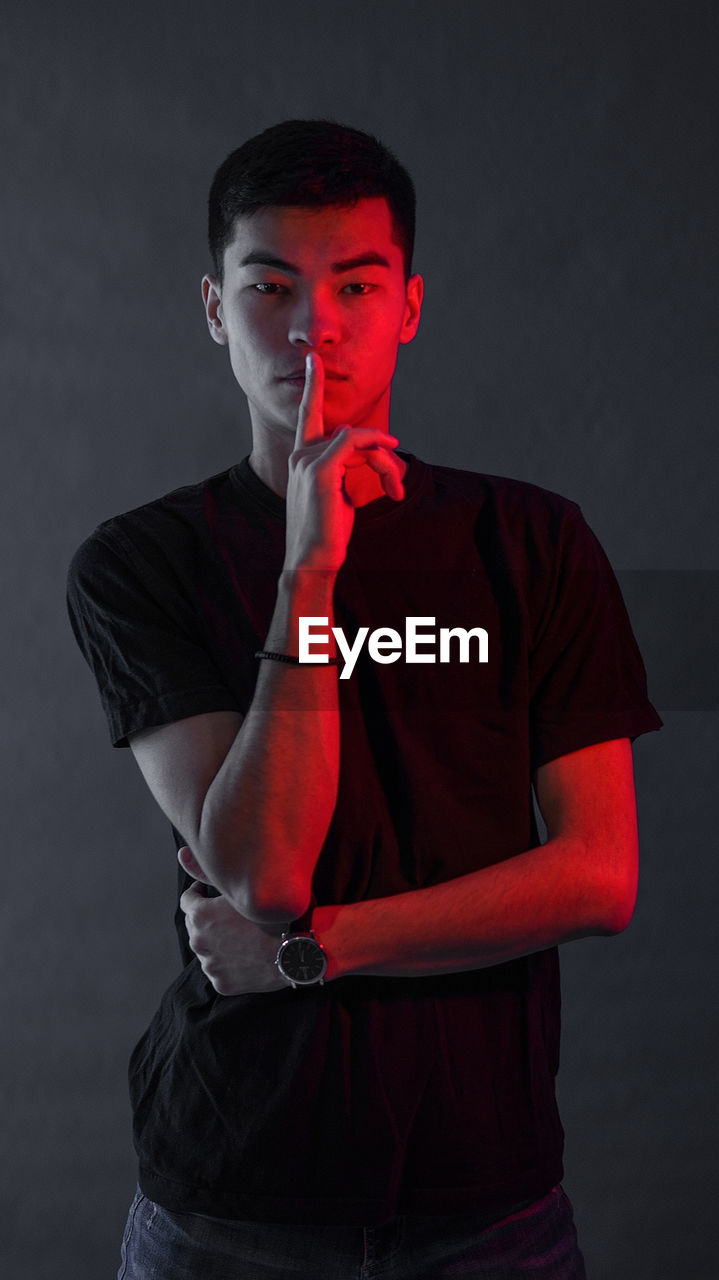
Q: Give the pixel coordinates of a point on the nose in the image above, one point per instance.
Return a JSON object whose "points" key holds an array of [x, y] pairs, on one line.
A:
{"points": [[314, 322]]}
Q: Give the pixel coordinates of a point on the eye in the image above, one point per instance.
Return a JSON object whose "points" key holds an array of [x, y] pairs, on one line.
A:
{"points": [[358, 288], [269, 288]]}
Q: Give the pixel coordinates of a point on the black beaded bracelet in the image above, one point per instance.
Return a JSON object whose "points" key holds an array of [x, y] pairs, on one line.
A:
{"points": [[287, 657]]}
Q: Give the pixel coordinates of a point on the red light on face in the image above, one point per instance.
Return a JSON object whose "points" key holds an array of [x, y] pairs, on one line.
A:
{"points": [[329, 280]]}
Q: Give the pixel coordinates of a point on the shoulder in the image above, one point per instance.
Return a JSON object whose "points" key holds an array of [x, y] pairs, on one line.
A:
{"points": [[154, 531], [520, 509], [456, 483]]}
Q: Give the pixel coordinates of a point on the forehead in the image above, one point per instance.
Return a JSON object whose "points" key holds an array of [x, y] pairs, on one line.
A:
{"points": [[313, 238]]}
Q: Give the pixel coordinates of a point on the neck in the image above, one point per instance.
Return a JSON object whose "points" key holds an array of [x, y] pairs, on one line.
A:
{"points": [[271, 468]]}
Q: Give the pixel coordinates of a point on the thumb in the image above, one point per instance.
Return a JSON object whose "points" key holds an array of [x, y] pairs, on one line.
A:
{"points": [[189, 863]]}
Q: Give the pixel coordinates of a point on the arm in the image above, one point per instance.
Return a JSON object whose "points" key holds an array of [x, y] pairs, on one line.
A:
{"points": [[583, 881], [254, 797]]}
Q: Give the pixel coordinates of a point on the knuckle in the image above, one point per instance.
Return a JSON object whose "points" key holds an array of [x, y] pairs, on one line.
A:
{"points": [[217, 979], [199, 946]]}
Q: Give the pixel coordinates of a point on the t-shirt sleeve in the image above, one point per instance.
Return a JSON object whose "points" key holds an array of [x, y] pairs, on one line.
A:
{"points": [[588, 682], [142, 639]]}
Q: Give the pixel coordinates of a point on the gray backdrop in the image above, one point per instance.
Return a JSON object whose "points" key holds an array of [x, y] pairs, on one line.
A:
{"points": [[567, 186]]}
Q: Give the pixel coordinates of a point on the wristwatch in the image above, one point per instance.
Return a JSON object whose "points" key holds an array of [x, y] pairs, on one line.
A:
{"points": [[302, 960]]}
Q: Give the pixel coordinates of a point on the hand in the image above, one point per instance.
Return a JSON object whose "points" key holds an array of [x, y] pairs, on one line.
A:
{"points": [[320, 512], [236, 955]]}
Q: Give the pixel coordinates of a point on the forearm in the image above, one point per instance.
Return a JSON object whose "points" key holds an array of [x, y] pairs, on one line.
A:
{"points": [[267, 811], [538, 899]]}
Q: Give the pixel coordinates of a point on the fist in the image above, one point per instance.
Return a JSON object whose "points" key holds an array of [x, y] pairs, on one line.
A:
{"points": [[236, 955]]}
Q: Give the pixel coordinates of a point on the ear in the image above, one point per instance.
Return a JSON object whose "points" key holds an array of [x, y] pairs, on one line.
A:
{"points": [[413, 308], [212, 298]]}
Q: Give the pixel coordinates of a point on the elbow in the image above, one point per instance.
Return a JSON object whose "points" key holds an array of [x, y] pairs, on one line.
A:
{"points": [[259, 890], [616, 921], [609, 875], [618, 901], [259, 899], [271, 905]]}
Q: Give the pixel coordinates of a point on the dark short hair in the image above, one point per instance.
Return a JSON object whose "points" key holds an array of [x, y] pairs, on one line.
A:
{"points": [[309, 163]]}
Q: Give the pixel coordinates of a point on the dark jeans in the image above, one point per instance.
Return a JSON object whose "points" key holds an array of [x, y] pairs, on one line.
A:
{"points": [[540, 1242]]}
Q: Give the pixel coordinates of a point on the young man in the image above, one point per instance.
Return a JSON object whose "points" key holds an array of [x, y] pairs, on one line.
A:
{"points": [[340, 671]]}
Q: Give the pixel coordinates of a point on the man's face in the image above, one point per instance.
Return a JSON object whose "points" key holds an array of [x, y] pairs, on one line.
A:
{"points": [[328, 280]]}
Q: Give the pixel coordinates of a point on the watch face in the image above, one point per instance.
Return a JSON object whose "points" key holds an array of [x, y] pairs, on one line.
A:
{"points": [[302, 960]]}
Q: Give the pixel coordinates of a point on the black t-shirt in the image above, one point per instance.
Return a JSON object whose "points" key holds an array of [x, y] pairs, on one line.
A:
{"points": [[369, 1096]]}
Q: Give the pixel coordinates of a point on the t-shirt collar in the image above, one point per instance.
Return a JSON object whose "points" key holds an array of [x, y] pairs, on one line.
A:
{"points": [[248, 485]]}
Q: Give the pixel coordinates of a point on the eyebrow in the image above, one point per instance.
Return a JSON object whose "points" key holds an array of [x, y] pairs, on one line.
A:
{"points": [[262, 258]]}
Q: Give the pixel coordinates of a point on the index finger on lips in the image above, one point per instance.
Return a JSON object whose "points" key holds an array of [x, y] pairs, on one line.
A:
{"points": [[310, 419]]}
